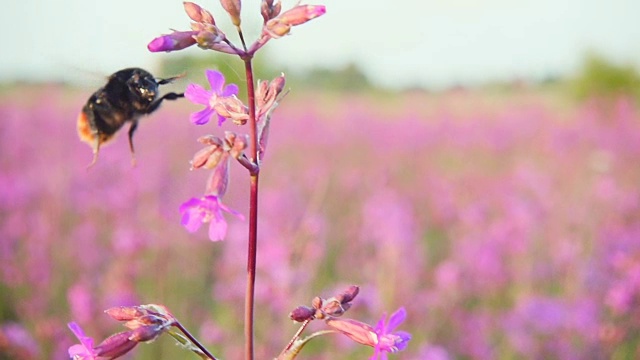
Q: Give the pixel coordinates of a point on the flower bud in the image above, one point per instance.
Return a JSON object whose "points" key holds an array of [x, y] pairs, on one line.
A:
{"points": [[235, 143], [208, 38], [281, 25], [267, 95], [232, 108], [277, 28], [219, 179], [210, 156], [301, 14], [115, 345], [198, 14], [332, 307], [146, 333], [348, 295], [358, 331], [146, 320], [177, 40], [124, 313], [269, 10], [233, 8], [302, 313], [277, 85], [317, 302]]}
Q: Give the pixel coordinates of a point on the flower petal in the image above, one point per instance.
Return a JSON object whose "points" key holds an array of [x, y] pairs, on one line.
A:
{"points": [[230, 90], [380, 327], [192, 220], [231, 211], [218, 227], [201, 117], [221, 119], [216, 80], [84, 350], [197, 94], [192, 214], [404, 340], [396, 319]]}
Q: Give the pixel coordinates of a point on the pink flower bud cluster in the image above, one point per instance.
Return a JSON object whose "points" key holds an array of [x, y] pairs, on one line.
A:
{"points": [[145, 323], [282, 24], [207, 35], [381, 337], [204, 32], [325, 308]]}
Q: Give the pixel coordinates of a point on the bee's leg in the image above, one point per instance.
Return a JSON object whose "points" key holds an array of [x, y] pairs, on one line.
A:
{"points": [[132, 129], [96, 149], [169, 96]]}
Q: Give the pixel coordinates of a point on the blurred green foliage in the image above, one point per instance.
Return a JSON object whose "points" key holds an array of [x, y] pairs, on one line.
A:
{"points": [[231, 66], [600, 77], [349, 78]]}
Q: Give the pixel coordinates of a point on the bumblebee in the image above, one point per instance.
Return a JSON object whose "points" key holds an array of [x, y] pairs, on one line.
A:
{"points": [[128, 95]]}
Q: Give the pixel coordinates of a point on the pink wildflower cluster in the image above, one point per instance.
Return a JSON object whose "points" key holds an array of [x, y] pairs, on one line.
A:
{"points": [[145, 323], [207, 35]]}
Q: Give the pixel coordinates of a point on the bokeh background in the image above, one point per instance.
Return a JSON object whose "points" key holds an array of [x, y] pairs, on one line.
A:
{"points": [[474, 162]]}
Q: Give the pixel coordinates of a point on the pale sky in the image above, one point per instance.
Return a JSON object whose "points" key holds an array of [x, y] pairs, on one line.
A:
{"points": [[398, 43]]}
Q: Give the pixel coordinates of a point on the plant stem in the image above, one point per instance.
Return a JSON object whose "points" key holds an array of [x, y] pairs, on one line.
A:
{"points": [[296, 336], [244, 45], [193, 340], [253, 213]]}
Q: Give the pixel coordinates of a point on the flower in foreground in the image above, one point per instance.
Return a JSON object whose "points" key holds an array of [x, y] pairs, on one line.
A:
{"points": [[389, 341], [381, 337], [177, 40], [207, 209], [84, 350], [198, 95]]}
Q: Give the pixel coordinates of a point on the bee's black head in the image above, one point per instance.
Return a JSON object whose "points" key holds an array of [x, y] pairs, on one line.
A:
{"points": [[143, 88]]}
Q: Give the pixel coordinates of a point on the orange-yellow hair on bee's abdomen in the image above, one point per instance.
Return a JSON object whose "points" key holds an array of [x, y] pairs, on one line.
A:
{"points": [[84, 129], [86, 134]]}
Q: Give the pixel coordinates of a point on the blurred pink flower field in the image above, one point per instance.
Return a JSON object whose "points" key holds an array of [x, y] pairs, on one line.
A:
{"points": [[507, 226]]}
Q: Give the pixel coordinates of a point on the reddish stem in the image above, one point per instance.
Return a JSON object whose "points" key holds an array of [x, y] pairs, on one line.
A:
{"points": [[253, 213], [193, 340]]}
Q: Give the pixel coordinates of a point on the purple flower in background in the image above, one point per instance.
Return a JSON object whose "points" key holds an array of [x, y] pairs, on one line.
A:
{"points": [[207, 209], [389, 341], [198, 95], [84, 350]]}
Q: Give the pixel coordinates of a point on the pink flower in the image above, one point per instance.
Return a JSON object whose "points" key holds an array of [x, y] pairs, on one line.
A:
{"points": [[198, 95], [84, 350], [207, 209], [381, 338], [177, 40], [389, 341]]}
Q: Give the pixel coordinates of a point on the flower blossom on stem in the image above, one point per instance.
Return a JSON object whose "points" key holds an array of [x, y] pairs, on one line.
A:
{"points": [[233, 8], [204, 32], [209, 208], [145, 322], [281, 24], [198, 14], [278, 24], [177, 40], [210, 98], [381, 337], [84, 350], [268, 96], [270, 9]]}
